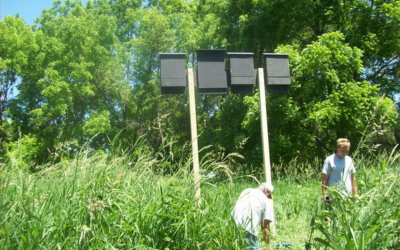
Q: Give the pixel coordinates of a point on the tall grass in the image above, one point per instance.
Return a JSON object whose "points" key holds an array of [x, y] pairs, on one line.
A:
{"points": [[373, 222], [98, 202], [137, 200]]}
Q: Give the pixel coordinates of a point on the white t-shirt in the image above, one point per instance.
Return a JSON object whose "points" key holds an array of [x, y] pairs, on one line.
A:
{"points": [[339, 171], [251, 208]]}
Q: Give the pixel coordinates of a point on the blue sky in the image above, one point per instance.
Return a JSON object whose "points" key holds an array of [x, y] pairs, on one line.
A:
{"points": [[27, 9]]}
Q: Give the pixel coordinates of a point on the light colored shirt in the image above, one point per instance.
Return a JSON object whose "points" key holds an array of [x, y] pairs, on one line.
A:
{"points": [[252, 207], [339, 171]]}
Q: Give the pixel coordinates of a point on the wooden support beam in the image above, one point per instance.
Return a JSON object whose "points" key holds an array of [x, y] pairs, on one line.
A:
{"points": [[193, 125], [264, 126]]}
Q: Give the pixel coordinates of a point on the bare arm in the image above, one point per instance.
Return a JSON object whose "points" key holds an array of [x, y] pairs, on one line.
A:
{"points": [[354, 186], [324, 184], [266, 229]]}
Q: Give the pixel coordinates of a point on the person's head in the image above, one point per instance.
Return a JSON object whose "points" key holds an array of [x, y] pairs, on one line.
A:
{"points": [[343, 147], [267, 189]]}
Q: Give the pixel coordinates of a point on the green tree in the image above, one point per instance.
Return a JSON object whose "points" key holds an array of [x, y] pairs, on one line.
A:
{"points": [[326, 101], [78, 81], [261, 26], [16, 45], [143, 32], [93, 71], [374, 27]]}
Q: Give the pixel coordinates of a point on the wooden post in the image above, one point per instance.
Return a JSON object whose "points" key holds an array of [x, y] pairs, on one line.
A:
{"points": [[264, 135], [264, 126], [193, 125]]}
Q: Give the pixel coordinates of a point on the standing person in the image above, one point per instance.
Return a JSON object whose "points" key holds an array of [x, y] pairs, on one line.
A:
{"points": [[254, 208], [339, 170]]}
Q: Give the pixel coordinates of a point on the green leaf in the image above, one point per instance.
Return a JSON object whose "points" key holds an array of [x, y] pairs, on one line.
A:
{"points": [[324, 242], [383, 165]]}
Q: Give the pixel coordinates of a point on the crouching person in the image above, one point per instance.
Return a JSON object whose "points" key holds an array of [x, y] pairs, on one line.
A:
{"points": [[254, 210]]}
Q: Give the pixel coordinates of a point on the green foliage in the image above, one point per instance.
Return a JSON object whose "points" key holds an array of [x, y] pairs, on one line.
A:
{"points": [[16, 43], [22, 154], [97, 123], [89, 102], [326, 101], [78, 78], [372, 28], [326, 93], [94, 70], [369, 223], [102, 202], [119, 201]]}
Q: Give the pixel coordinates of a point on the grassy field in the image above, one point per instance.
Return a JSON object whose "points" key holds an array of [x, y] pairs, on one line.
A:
{"points": [[126, 202]]}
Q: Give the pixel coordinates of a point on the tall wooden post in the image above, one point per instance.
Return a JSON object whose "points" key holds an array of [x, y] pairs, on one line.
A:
{"points": [[264, 135], [264, 126], [193, 125]]}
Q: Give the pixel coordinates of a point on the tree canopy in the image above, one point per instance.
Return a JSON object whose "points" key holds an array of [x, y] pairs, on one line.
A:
{"points": [[89, 75]]}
